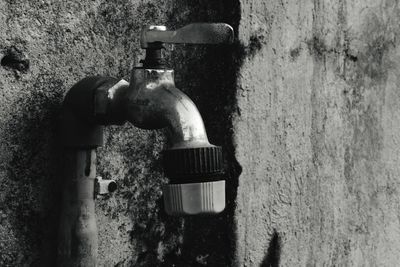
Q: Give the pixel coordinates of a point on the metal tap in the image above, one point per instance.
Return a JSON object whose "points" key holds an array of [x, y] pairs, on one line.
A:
{"points": [[149, 101]]}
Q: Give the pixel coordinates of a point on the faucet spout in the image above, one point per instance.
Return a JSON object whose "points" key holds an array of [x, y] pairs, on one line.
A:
{"points": [[153, 102]]}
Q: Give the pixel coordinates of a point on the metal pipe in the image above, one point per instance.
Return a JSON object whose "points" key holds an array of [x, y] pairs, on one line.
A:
{"points": [[80, 136], [78, 242]]}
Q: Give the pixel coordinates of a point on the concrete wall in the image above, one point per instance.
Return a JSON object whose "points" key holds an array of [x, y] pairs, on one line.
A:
{"points": [[317, 134], [304, 103]]}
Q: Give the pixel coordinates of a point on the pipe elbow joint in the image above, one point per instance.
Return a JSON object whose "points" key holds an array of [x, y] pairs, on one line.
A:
{"points": [[80, 127]]}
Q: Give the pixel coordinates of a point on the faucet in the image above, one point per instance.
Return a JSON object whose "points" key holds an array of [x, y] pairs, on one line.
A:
{"points": [[149, 101]]}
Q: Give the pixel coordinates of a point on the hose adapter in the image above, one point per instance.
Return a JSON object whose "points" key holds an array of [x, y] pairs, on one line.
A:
{"points": [[196, 184]]}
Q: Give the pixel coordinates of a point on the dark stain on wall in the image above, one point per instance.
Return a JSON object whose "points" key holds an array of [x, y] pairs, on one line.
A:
{"points": [[318, 47], [256, 42], [15, 59], [367, 76], [294, 53]]}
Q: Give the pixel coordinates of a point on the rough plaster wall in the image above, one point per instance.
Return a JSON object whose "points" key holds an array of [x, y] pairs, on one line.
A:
{"points": [[314, 129], [46, 47], [317, 134]]}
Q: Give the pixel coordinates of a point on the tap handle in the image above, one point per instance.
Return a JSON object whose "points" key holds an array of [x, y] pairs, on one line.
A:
{"points": [[195, 33]]}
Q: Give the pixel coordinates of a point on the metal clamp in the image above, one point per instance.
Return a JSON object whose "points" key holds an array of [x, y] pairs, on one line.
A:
{"points": [[103, 187]]}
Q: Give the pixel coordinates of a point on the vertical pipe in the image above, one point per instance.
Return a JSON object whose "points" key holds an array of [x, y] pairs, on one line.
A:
{"points": [[78, 242]]}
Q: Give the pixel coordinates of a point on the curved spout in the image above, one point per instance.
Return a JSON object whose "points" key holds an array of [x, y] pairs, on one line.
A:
{"points": [[153, 102], [150, 101]]}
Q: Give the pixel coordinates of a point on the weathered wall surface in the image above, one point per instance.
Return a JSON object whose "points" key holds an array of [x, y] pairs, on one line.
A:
{"points": [[317, 134], [305, 104], [46, 47]]}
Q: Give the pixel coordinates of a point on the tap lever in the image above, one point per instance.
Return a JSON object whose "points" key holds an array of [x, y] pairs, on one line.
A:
{"points": [[195, 33]]}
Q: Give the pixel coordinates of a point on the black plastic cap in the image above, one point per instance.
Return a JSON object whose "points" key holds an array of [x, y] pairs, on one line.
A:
{"points": [[199, 161]]}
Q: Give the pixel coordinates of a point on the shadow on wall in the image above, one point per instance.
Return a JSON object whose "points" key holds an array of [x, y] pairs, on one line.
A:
{"points": [[273, 256], [30, 192], [208, 74]]}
